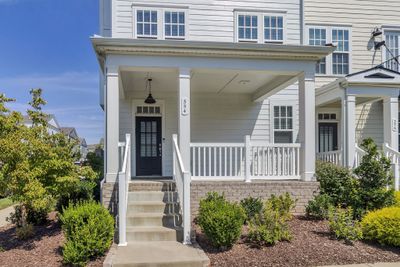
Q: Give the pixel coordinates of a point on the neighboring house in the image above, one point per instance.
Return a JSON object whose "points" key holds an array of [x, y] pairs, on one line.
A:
{"points": [[72, 134], [226, 96], [52, 123], [357, 96]]}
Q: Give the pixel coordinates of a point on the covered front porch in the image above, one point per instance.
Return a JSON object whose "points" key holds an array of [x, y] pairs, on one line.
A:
{"points": [[358, 106]]}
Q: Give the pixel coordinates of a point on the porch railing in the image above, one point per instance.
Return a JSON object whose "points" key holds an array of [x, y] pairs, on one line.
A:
{"points": [[394, 157], [182, 180], [245, 161], [334, 157], [124, 176], [358, 155]]}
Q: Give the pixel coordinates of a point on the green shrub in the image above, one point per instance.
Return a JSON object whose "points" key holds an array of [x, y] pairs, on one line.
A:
{"points": [[220, 220], [336, 182], [271, 226], [342, 225], [78, 192], [283, 205], [374, 174], [252, 206], [383, 226], [24, 214], [24, 232], [89, 230], [397, 198], [318, 208]]}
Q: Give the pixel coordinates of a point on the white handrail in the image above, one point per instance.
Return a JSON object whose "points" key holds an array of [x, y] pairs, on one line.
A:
{"points": [[394, 157], [123, 187], [358, 155], [182, 180]]}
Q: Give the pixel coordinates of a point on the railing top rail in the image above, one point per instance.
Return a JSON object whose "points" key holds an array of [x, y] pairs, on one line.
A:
{"points": [[216, 144], [390, 149], [360, 150], [178, 153], [263, 144], [330, 152]]}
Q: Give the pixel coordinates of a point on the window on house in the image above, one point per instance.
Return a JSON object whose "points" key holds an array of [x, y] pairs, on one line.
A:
{"points": [[341, 56], [283, 124], [146, 21], [392, 39], [174, 23], [247, 27], [273, 28], [317, 37]]}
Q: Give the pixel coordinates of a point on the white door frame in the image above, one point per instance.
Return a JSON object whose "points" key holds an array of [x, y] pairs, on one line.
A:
{"points": [[135, 104]]}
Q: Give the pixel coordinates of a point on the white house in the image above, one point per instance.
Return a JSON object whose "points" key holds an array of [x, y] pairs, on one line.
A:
{"points": [[226, 96], [53, 126]]}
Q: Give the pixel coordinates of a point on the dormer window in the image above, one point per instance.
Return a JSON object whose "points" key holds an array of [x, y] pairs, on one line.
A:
{"points": [[260, 27], [146, 21]]}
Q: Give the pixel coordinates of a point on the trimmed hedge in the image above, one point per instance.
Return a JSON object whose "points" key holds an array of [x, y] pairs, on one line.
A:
{"points": [[383, 226]]}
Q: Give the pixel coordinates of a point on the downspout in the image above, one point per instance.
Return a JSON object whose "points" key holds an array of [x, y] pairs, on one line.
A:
{"points": [[302, 22]]}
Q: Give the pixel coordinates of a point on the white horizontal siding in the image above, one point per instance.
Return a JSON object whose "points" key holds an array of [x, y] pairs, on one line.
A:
{"points": [[220, 118], [369, 122], [210, 20]]}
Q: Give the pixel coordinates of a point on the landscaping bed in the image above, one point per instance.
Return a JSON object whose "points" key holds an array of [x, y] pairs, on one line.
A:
{"points": [[312, 245], [44, 249]]}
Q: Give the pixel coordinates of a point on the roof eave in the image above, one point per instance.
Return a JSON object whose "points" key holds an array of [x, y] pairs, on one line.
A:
{"points": [[104, 46]]}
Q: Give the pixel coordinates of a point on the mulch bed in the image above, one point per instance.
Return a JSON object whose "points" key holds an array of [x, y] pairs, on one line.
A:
{"points": [[44, 249], [312, 245]]}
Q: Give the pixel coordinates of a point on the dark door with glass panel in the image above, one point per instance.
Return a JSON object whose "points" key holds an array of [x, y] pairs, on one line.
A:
{"points": [[328, 137], [148, 146]]}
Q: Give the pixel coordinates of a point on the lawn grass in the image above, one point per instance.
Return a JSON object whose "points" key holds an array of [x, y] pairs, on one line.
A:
{"points": [[5, 203]]}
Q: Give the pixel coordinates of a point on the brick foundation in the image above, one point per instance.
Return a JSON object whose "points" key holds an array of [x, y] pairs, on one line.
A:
{"points": [[235, 191]]}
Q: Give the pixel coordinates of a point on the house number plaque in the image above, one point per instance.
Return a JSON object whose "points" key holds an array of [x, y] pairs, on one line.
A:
{"points": [[394, 125], [185, 106]]}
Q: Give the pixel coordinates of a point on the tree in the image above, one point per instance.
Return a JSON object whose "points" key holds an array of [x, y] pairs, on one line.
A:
{"points": [[36, 167]]}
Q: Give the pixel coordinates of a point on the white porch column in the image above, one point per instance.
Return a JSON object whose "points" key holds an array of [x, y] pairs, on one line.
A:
{"points": [[184, 116], [390, 122], [112, 124], [307, 126], [349, 106]]}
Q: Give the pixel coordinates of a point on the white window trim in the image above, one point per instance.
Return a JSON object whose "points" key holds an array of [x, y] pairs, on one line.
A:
{"points": [[260, 26], [329, 58], [293, 104], [161, 22]]}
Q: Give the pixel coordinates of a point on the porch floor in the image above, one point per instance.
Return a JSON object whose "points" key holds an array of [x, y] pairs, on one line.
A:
{"points": [[162, 253]]}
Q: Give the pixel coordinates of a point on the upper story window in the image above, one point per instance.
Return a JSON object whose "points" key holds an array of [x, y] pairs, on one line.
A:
{"points": [[339, 63], [273, 28], [392, 39], [248, 27], [174, 24], [160, 23], [341, 56], [317, 36], [260, 27], [146, 23]]}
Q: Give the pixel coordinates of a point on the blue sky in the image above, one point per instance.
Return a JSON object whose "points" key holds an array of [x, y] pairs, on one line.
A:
{"points": [[45, 44]]}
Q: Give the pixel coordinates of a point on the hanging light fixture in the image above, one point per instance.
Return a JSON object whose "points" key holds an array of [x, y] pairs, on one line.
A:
{"points": [[149, 99]]}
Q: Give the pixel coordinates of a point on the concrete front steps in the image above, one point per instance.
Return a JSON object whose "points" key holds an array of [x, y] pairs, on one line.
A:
{"points": [[154, 231]]}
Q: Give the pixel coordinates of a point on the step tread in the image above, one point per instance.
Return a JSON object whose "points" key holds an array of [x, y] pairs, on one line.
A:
{"points": [[149, 229], [159, 252], [150, 202], [150, 214]]}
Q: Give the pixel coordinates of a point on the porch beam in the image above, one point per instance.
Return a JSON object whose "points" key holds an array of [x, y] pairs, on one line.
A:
{"points": [[273, 87], [390, 121], [328, 97], [184, 115], [112, 124], [307, 126]]}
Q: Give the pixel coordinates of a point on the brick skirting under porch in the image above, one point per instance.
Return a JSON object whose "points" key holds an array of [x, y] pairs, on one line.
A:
{"points": [[235, 191]]}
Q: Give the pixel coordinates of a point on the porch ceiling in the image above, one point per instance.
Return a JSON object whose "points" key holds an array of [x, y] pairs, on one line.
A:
{"points": [[203, 81]]}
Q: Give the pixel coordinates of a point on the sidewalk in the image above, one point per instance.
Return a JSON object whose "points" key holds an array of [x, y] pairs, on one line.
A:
{"points": [[4, 213], [379, 264]]}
